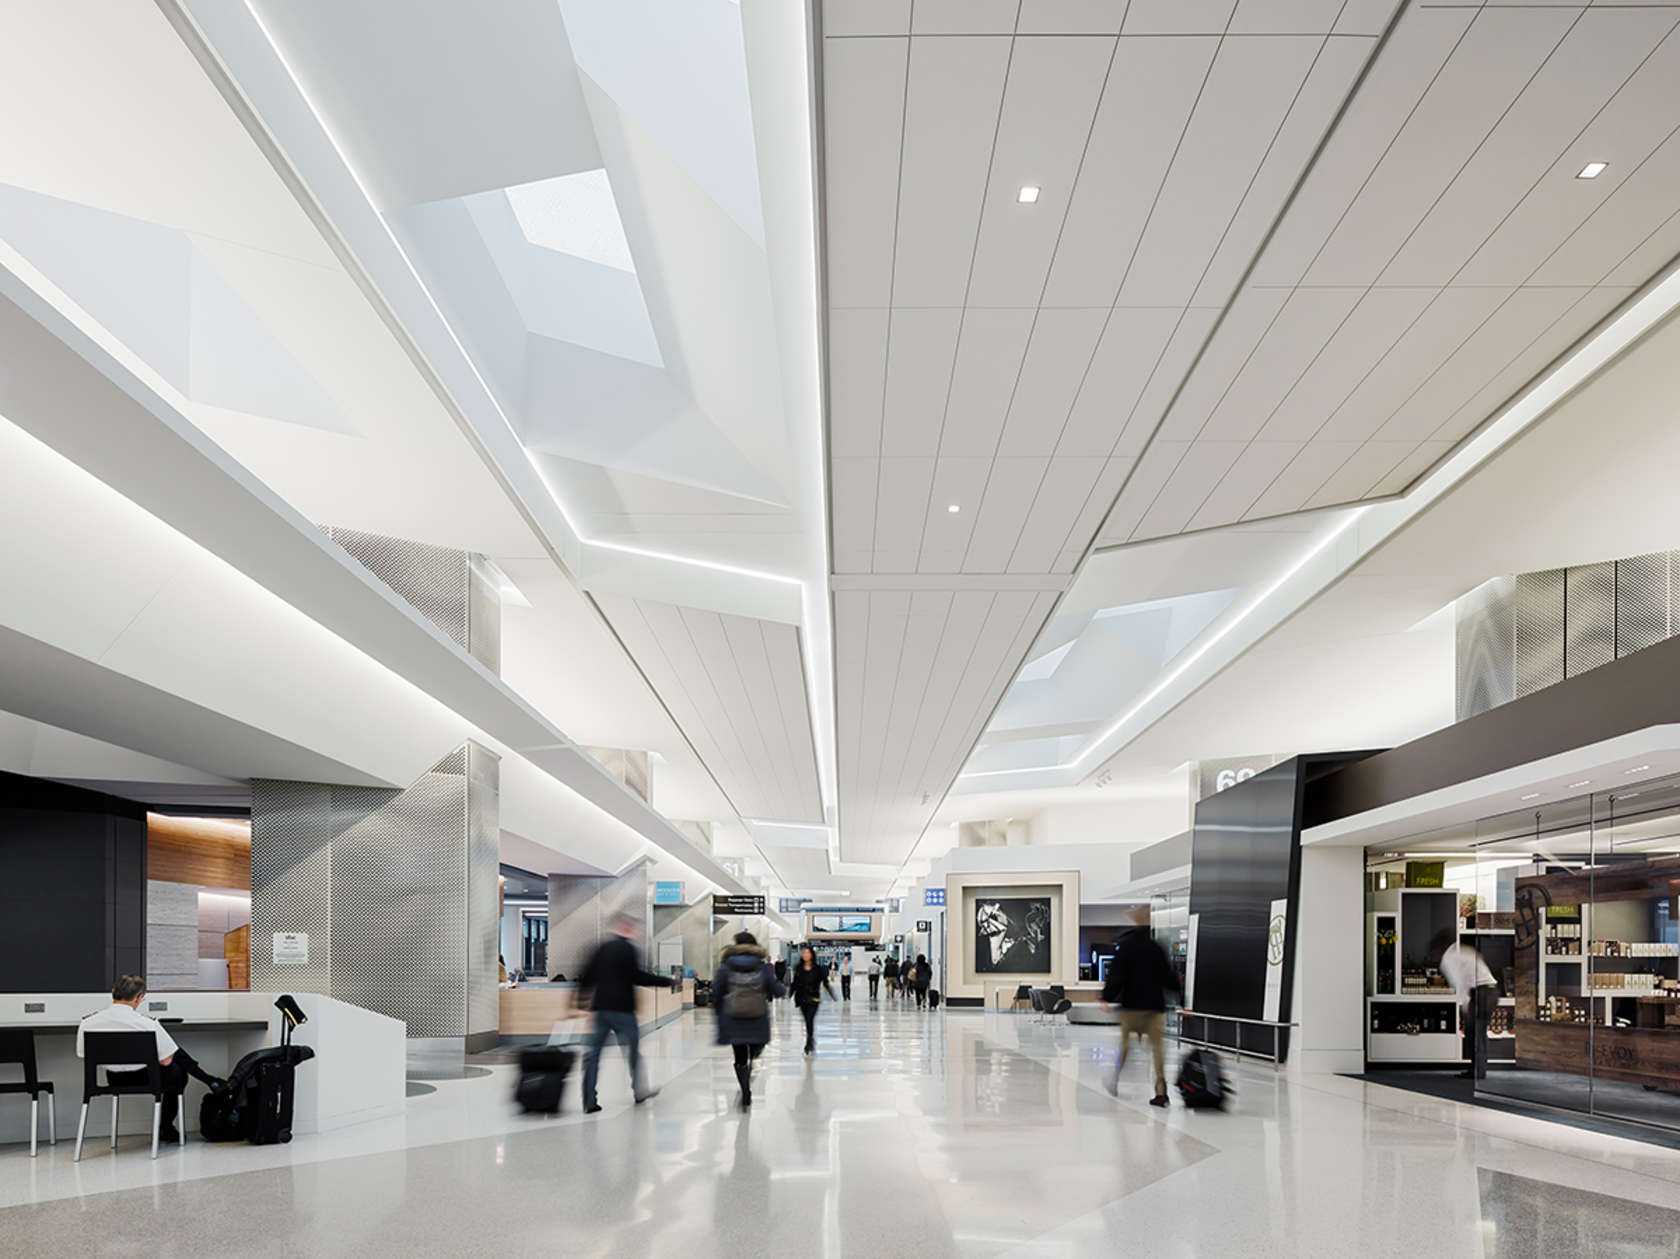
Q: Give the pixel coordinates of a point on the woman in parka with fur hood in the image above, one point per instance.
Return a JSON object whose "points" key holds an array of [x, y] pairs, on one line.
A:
{"points": [[742, 991]]}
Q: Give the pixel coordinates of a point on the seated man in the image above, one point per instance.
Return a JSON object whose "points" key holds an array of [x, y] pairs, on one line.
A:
{"points": [[123, 1015]]}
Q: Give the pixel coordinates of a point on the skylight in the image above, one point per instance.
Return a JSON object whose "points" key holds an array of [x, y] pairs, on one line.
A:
{"points": [[576, 215]]}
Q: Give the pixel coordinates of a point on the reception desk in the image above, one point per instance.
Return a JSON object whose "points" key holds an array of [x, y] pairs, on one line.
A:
{"points": [[357, 1074], [532, 1010], [1001, 993]]}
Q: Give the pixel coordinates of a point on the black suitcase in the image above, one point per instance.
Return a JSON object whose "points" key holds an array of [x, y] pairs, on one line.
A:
{"points": [[255, 1104], [542, 1077], [933, 998], [702, 992], [1201, 1081]]}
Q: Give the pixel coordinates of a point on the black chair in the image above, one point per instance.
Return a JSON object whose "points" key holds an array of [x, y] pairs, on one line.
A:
{"points": [[1023, 994], [124, 1049], [17, 1046]]}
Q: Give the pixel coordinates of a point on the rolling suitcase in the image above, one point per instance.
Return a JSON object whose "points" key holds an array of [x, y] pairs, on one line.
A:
{"points": [[255, 1104], [1201, 1081], [933, 998], [542, 1078]]}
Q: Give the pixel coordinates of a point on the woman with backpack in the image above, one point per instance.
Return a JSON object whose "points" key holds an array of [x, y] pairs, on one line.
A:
{"points": [[807, 981], [741, 992]]}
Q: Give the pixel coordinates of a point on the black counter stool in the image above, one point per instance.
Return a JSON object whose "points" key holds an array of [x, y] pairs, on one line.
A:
{"points": [[124, 1050], [1023, 996], [17, 1046]]}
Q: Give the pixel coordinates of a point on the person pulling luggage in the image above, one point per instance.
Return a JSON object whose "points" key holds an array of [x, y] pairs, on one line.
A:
{"points": [[610, 978], [744, 985], [1139, 979]]}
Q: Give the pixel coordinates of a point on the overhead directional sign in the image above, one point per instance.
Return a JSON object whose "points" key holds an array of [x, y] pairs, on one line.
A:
{"points": [[736, 906]]}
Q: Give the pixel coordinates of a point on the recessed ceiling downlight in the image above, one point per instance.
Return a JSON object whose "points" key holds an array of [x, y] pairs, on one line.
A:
{"points": [[1028, 194], [1592, 170]]}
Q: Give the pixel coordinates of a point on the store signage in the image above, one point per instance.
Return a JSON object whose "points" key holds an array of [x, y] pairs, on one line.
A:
{"points": [[1572, 913], [791, 904], [1426, 873], [924, 926], [1213, 777], [933, 896], [737, 906], [291, 948], [668, 893], [1276, 933]]}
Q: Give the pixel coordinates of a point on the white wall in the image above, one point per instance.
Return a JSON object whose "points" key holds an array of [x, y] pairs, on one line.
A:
{"points": [[1329, 991], [1134, 821]]}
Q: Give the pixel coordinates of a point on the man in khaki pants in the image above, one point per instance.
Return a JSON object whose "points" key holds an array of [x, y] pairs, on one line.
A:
{"points": [[1139, 979]]}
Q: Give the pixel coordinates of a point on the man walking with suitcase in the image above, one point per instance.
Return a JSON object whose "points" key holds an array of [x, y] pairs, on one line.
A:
{"points": [[1139, 979], [611, 978]]}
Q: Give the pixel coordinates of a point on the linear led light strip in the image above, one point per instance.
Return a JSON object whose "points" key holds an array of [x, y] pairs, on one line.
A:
{"points": [[355, 174], [1634, 322]]}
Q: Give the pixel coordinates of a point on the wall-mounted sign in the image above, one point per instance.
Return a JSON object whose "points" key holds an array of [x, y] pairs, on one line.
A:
{"points": [[1215, 776], [933, 896], [1277, 932], [291, 948], [924, 926], [809, 908], [894, 904], [1426, 873], [670, 893], [1567, 913], [792, 904], [736, 906]]}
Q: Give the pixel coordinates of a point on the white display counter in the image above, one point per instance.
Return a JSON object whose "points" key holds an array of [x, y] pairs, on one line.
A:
{"points": [[358, 1072]]}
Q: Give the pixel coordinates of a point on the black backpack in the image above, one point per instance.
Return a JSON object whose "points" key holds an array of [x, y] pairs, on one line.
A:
{"points": [[747, 997], [1201, 1081]]}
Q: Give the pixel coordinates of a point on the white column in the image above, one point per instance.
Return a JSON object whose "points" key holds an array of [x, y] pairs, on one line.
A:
{"points": [[1329, 996]]}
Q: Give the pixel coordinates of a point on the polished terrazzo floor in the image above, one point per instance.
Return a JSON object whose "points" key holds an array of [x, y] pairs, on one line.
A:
{"points": [[924, 1134]]}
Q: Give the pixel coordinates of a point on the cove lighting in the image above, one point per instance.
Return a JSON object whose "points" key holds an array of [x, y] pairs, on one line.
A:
{"points": [[1028, 194], [1592, 170]]}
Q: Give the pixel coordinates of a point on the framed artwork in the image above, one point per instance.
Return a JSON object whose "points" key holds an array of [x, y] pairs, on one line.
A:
{"points": [[1012, 935]]}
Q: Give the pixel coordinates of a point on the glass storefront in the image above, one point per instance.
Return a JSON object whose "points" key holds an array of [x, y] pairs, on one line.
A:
{"points": [[1572, 908]]}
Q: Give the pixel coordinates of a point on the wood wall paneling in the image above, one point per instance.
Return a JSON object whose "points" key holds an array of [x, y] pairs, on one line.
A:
{"points": [[208, 851]]}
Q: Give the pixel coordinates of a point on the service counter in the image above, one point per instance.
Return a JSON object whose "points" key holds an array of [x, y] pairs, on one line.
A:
{"points": [[1000, 993], [532, 1009], [358, 1072]]}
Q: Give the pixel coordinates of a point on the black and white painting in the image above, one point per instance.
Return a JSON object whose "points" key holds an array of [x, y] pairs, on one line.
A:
{"points": [[1012, 935]]}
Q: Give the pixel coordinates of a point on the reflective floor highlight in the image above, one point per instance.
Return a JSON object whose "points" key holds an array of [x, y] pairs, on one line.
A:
{"points": [[909, 1133]]}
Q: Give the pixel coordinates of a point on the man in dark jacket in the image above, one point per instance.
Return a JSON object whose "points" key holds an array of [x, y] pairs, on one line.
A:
{"points": [[610, 978], [1139, 979], [742, 991]]}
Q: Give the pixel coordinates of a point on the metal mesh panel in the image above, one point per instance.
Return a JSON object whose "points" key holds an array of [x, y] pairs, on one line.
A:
{"points": [[1486, 664], [1642, 606], [484, 614], [484, 850], [433, 579], [397, 890], [1537, 630], [291, 882], [1589, 618], [399, 903]]}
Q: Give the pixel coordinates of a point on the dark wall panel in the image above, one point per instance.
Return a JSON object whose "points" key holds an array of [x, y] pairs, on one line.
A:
{"points": [[72, 887]]}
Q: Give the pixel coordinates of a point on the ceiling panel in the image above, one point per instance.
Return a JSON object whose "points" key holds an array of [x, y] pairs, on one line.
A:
{"points": [[1308, 322], [1125, 164], [989, 356], [1132, 344], [1248, 92], [1057, 355], [900, 507], [1054, 83], [953, 84], [957, 482], [1588, 68], [1363, 340], [857, 367], [1270, 268], [866, 17], [863, 93], [736, 688], [1003, 512], [851, 485], [1060, 501], [921, 346], [1492, 63]]}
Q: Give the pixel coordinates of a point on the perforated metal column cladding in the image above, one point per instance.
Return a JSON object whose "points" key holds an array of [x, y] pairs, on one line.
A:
{"points": [[1484, 648], [397, 890], [455, 590], [1589, 618]]}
